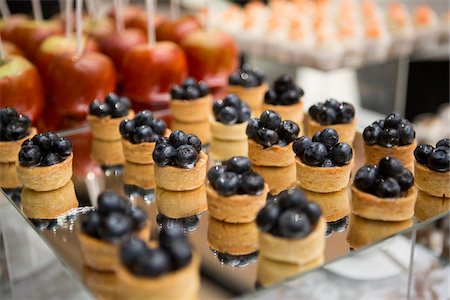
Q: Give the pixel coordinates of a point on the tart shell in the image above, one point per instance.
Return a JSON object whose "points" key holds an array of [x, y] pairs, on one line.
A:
{"points": [[374, 153], [107, 128], [9, 150], [275, 156], [346, 132], [428, 206], [181, 204], [235, 132], [431, 182], [139, 175], [293, 112], [104, 285], [107, 153], [253, 96], [141, 153], [334, 205], [191, 111], [278, 178], [221, 150], [8, 176]]}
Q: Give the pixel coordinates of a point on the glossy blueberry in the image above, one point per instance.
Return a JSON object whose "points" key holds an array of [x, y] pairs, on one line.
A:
{"points": [[125, 101], [178, 138], [288, 131], [131, 249], [227, 184], [366, 178], [90, 222], [234, 79], [118, 110], [341, 154], [23, 121], [270, 120], [267, 137], [180, 253], [251, 183], [315, 154], [314, 110], [164, 154], [332, 103], [313, 211], [270, 97], [389, 137], [177, 92], [405, 179], [126, 128], [191, 92], [379, 123], [203, 88], [98, 108], [406, 134], [152, 263], [228, 115], [345, 113], [328, 163], [114, 227], [169, 234], [15, 131], [7, 115], [390, 166], [217, 107], [143, 134], [293, 224], [443, 143], [268, 216], [138, 216], [62, 147], [388, 188], [439, 159], [42, 141], [259, 75], [30, 156], [392, 120], [292, 198], [244, 113], [186, 156], [50, 159], [112, 99], [372, 134], [249, 79], [108, 202], [158, 126], [252, 128], [214, 173], [327, 116], [232, 100], [282, 83], [299, 146], [239, 164], [289, 97], [316, 137], [422, 152], [195, 142], [329, 137], [144, 117], [188, 82]]}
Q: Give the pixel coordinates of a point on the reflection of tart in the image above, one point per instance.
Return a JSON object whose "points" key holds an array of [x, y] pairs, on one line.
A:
{"points": [[278, 178], [113, 148], [140, 175], [334, 205], [181, 204], [104, 285], [428, 206]]}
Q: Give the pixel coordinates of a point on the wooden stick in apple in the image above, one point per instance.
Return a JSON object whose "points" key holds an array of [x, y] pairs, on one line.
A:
{"points": [[207, 22], [79, 19], [68, 18], [150, 7], [4, 9], [174, 9], [2, 51], [118, 8], [90, 5], [37, 10]]}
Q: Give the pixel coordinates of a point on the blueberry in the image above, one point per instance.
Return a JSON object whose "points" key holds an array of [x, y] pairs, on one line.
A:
{"points": [[143, 134], [329, 137], [327, 116], [42, 141], [299, 146], [251, 183], [178, 138], [203, 88], [390, 167], [405, 179], [239, 164], [252, 128], [294, 224], [388, 188], [217, 107], [108, 202], [267, 217], [289, 131], [186, 156], [50, 159], [332, 103], [158, 126], [244, 113], [232, 100], [23, 121], [341, 154], [163, 154], [228, 115], [315, 154], [443, 143], [152, 263], [138, 216], [270, 97], [62, 147], [316, 137], [180, 252], [90, 222], [52, 136], [289, 97], [144, 117], [267, 137], [234, 79], [259, 75], [111, 99], [270, 120], [177, 92], [189, 82], [249, 79], [366, 178], [131, 249], [98, 108], [314, 111], [114, 227], [118, 110], [379, 123], [439, 159], [392, 120], [195, 142], [191, 92], [227, 184], [389, 137], [15, 131], [125, 102], [422, 152], [7, 115], [214, 173], [313, 211], [292, 198], [30, 156], [345, 113], [372, 134], [406, 134], [168, 234], [126, 128], [282, 83], [282, 142], [26, 143], [328, 163]]}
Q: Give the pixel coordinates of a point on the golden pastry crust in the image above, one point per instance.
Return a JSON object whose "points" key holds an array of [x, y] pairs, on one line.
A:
{"points": [[384, 209], [141, 153], [104, 285], [295, 251], [48, 205], [323, 180], [374, 153], [293, 112], [278, 178], [181, 179], [334, 206], [363, 231], [235, 208], [139, 175], [428, 206], [275, 156], [270, 271], [253, 96], [234, 239], [46, 178], [176, 285], [107, 128], [107, 153], [8, 176], [235, 132], [221, 150], [191, 111], [200, 129], [181, 204], [434, 183], [9, 150], [345, 131], [101, 255]]}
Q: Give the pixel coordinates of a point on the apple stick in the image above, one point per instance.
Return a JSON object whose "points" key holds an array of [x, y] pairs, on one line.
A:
{"points": [[118, 10], [150, 7], [206, 20], [79, 7], [37, 11], [4, 9], [90, 5], [69, 19], [2, 51], [174, 9]]}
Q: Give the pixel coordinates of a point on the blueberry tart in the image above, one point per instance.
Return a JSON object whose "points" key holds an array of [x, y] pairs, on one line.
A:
{"points": [[393, 136], [181, 204], [432, 168], [270, 140], [278, 178], [45, 162], [235, 193], [384, 192], [428, 206], [292, 229], [139, 175], [323, 163], [284, 97], [334, 205], [249, 85], [333, 114], [104, 117], [169, 269], [228, 125], [180, 163], [139, 136], [103, 230]]}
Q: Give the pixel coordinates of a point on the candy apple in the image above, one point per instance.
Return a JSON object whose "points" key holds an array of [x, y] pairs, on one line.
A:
{"points": [[21, 86], [11, 49], [176, 30], [98, 28], [134, 16], [7, 25]]}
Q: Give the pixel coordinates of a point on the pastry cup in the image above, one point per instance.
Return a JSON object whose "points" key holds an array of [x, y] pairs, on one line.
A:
{"points": [[428, 206], [363, 231], [182, 204], [293, 112], [374, 153], [101, 255], [235, 208], [104, 285], [274, 156], [8, 176], [224, 132], [181, 179], [253, 96], [176, 285], [270, 272], [334, 206], [50, 204], [346, 131], [234, 239], [384, 209], [107, 128], [431, 182], [295, 251], [107, 153], [46, 178], [278, 178], [191, 111], [323, 180], [141, 153], [221, 150], [200, 129], [9, 150], [142, 176]]}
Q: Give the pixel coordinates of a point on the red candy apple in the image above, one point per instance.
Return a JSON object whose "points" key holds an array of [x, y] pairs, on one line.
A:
{"points": [[7, 25], [176, 30]]}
